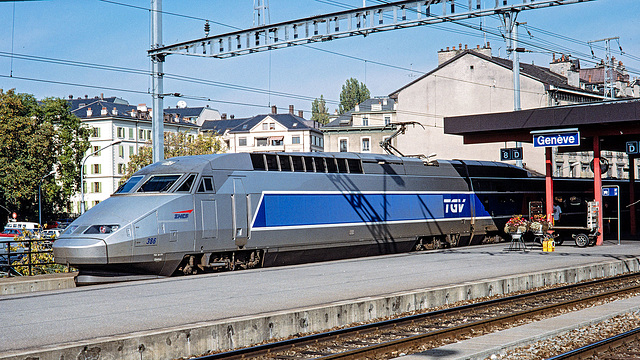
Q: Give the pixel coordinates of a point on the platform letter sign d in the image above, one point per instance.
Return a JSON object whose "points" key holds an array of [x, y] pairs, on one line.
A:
{"points": [[632, 147]]}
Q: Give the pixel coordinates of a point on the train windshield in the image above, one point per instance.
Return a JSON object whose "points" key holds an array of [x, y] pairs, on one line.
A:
{"points": [[159, 183], [129, 185]]}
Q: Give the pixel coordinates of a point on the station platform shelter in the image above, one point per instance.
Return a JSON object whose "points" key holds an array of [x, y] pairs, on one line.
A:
{"points": [[600, 126]]}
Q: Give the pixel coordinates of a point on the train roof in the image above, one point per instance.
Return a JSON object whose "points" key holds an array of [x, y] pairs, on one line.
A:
{"points": [[344, 163]]}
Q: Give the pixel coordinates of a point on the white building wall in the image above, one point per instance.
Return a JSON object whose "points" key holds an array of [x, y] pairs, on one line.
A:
{"points": [[470, 85]]}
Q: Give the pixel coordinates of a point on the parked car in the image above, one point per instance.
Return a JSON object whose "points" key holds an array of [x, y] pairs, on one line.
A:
{"points": [[51, 234]]}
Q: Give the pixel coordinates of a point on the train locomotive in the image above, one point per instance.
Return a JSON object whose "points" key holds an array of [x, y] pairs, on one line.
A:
{"points": [[194, 214]]}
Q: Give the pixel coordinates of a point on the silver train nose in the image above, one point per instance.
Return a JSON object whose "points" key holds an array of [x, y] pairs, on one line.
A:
{"points": [[80, 251]]}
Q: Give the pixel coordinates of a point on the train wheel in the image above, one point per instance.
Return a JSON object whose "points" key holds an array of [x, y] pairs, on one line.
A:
{"points": [[582, 240]]}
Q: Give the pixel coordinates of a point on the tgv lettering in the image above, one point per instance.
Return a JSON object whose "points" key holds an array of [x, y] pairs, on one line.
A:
{"points": [[454, 205]]}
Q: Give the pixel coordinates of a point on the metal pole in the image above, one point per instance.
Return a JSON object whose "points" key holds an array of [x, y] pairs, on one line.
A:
{"points": [[157, 125], [516, 73]]}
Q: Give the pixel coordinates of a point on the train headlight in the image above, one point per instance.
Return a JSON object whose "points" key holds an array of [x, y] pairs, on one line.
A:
{"points": [[102, 229]]}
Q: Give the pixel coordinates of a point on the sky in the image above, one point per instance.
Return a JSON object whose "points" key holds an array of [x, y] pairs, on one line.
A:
{"points": [[59, 48]]}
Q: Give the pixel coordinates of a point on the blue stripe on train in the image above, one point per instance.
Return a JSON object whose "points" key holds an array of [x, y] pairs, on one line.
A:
{"points": [[322, 209]]}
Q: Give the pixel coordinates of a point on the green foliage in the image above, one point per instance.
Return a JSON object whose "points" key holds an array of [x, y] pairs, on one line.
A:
{"points": [[36, 138], [353, 93], [40, 256], [319, 111], [175, 144]]}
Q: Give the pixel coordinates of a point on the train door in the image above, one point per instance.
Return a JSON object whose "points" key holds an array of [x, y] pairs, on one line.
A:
{"points": [[207, 215], [239, 213]]}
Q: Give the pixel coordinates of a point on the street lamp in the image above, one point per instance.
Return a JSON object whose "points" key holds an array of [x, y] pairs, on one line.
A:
{"points": [[40, 196], [82, 173]]}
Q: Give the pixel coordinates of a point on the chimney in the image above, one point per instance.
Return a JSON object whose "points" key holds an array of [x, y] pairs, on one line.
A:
{"points": [[142, 107], [291, 109], [301, 113], [223, 116], [233, 116], [274, 109], [70, 97], [103, 111], [89, 112], [86, 96], [102, 96], [114, 111]]}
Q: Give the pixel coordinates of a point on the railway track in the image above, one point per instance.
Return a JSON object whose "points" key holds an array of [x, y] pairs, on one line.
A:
{"points": [[622, 346], [421, 332]]}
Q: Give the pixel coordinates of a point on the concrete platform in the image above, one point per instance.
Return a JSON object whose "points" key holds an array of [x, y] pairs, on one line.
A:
{"points": [[502, 342], [169, 318], [28, 284]]}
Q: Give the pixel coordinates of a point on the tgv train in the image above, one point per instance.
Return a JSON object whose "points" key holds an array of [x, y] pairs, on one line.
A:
{"points": [[192, 214]]}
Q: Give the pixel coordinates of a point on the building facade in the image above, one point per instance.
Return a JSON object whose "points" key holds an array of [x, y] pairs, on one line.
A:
{"points": [[111, 120], [363, 128], [472, 81], [270, 132]]}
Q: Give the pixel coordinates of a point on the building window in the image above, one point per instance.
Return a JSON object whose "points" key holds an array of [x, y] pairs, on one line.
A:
{"points": [[121, 168], [141, 134], [120, 132], [130, 133], [121, 151], [95, 169], [387, 120], [96, 202], [95, 132], [265, 126], [344, 145], [261, 142], [365, 121], [95, 149], [366, 145], [272, 126], [131, 151], [148, 134], [295, 140], [96, 187], [242, 141], [276, 141]]}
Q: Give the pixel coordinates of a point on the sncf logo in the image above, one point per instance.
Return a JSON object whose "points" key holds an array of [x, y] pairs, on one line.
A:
{"points": [[182, 214], [454, 206]]}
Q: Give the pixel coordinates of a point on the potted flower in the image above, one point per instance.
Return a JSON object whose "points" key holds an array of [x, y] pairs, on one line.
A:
{"points": [[517, 224], [539, 223]]}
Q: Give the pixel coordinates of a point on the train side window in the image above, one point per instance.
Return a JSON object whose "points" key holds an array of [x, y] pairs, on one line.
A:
{"points": [[272, 162], [258, 162], [308, 162], [320, 167], [206, 185], [187, 184], [355, 166], [332, 167], [285, 162], [342, 165], [298, 164], [129, 185]]}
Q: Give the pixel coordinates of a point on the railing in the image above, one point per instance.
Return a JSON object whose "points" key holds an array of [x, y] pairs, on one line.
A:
{"points": [[27, 255]]}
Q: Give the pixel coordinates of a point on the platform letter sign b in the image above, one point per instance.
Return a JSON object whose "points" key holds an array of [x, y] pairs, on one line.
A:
{"points": [[632, 147]]}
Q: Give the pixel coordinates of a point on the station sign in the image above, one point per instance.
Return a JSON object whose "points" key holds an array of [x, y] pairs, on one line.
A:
{"points": [[511, 154], [610, 191], [571, 138], [632, 148]]}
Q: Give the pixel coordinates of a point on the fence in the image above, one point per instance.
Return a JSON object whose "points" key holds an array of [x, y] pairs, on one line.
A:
{"points": [[27, 255]]}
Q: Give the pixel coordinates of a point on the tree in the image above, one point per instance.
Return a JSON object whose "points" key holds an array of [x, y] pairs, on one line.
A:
{"points": [[175, 144], [353, 93], [319, 111], [36, 138]]}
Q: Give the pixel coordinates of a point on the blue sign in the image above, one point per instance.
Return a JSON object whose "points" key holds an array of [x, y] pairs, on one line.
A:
{"points": [[632, 147], [609, 191], [562, 139]]}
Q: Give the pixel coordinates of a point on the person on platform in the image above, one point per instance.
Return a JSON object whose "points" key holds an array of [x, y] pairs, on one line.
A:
{"points": [[556, 212]]}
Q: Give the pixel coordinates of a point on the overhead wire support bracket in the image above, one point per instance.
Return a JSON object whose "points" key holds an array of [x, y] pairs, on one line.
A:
{"points": [[360, 21]]}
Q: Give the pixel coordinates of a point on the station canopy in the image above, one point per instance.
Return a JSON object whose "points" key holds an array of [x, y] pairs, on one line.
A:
{"points": [[614, 122]]}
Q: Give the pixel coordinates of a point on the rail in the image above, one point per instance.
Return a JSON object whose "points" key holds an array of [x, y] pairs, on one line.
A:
{"points": [[413, 333], [599, 346], [27, 256]]}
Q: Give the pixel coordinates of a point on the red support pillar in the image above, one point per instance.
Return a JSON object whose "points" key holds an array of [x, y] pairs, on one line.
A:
{"points": [[597, 185], [632, 195], [549, 185]]}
